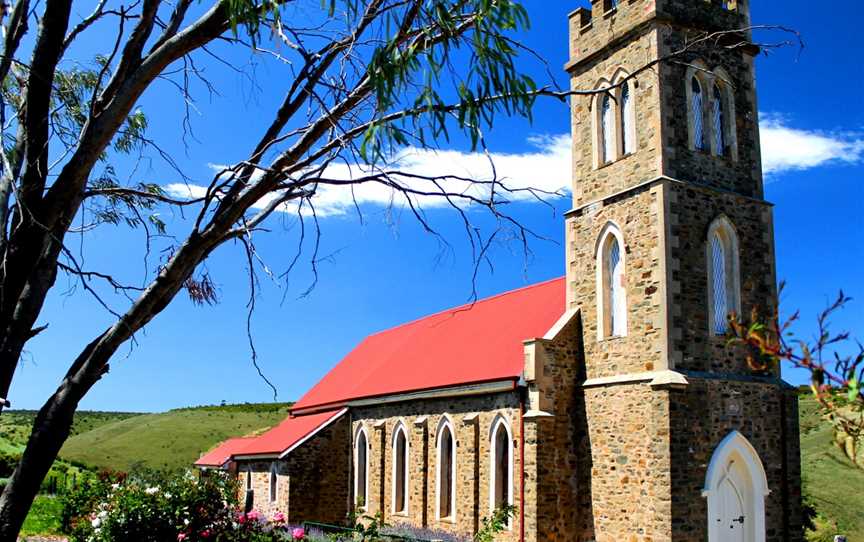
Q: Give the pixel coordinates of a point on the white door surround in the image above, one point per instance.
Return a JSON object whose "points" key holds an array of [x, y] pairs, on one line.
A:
{"points": [[736, 487]]}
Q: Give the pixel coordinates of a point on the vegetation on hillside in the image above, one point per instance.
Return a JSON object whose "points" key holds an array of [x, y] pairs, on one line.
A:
{"points": [[832, 484], [169, 441]]}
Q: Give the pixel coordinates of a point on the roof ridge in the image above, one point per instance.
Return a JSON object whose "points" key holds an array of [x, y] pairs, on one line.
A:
{"points": [[464, 306]]}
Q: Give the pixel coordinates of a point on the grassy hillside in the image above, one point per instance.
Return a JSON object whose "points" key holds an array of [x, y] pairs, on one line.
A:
{"points": [[832, 483], [15, 425], [170, 440]]}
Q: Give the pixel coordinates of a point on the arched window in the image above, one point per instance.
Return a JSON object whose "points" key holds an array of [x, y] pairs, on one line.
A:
{"points": [[274, 483], [501, 462], [361, 469], [696, 112], [723, 283], [400, 471], [628, 135], [446, 488], [719, 121], [611, 290], [607, 115]]}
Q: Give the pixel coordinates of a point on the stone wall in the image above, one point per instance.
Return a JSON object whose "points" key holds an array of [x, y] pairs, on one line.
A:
{"points": [[471, 418], [624, 465], [312, 481], [592, 182], [741, 173], [638, 215], [692, 209], [703, 415]]}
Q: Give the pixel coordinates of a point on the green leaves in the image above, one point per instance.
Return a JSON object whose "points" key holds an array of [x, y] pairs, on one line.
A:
{"points": [[456, 64]]}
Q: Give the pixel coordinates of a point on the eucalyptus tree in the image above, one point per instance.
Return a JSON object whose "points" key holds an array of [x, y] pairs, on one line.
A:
{"points": [[361, 76]]}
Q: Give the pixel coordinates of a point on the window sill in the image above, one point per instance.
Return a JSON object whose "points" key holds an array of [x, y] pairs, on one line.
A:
{"points": [[615, 161], [401, 514], [610, 12], [611, 339], [449, 519]]}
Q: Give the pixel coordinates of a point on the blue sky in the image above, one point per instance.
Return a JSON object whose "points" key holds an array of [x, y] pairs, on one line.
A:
{"points": [[386, 270]]}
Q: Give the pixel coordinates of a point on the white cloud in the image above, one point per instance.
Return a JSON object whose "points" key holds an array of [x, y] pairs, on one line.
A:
{"points": [[789, 149], [546, 166]]}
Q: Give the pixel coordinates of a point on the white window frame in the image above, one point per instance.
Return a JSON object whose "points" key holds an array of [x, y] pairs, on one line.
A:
{"points": [[723, 228], [625, 121], [604, 297], [600, 158], [273, 480], [361, 430], [697, 70], [400, 428], [720, 79], [500, 421], [445, 423]]}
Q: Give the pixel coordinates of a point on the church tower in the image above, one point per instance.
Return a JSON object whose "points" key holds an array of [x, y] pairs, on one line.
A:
{"points": [[669, 233]]}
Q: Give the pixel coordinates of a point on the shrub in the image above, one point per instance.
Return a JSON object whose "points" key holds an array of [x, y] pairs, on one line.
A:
{"points": [[150, 507]]}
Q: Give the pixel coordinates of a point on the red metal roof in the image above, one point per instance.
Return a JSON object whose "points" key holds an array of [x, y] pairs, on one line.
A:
{"points": [[219, 455], [480, 342], [291, 432]]}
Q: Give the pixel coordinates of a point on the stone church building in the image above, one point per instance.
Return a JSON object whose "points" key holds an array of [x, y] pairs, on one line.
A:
{"points": [[604, 405]]}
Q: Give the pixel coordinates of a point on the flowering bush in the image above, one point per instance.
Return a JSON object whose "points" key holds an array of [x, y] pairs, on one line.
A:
{"points": [[153, 508]]}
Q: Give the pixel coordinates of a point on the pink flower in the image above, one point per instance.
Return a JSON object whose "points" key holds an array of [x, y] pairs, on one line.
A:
{"points": [[298, 533], [205, 533], [181, 537], [253, 515], [278, 517]]}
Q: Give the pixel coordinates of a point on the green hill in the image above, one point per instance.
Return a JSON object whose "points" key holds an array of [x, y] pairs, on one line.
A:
{"points": [[15, 425], [170, 440], [831, 483]]}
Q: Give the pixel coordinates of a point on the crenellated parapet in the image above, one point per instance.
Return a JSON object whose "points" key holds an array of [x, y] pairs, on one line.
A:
{"points": [[610, 21]]}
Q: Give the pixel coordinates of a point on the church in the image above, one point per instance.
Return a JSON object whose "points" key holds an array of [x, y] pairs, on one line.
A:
{"points": [[605, 405]]}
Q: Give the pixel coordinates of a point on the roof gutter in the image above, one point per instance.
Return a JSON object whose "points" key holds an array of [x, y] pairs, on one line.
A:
{"points": [[505, 384], [437, 393]]}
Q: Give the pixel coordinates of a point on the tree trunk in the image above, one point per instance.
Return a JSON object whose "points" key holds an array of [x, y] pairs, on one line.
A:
{"points": [[54, 421], [50, 430]]}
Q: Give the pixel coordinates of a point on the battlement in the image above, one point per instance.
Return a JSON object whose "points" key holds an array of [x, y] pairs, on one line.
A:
{"points": [[594, 29]]}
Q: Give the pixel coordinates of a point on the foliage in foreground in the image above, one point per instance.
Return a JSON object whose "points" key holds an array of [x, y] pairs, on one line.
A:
{"points": [[153, 507]]}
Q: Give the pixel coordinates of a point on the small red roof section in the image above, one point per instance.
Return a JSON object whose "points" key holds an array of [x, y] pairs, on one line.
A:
{"points": [[288, 434], [220, 455], [472, 344]]}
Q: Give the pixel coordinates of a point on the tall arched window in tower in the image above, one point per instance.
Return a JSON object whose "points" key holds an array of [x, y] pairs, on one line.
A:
{"points": [[611, 290], [719, 117], [361, 469], [628, 134], [724, 295], [607, 116], [446, 488], [696, 101], [274, 482], [501, 465], [400, 471]]}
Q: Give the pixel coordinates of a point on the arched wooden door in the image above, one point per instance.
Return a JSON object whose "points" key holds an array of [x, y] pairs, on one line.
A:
{"points": [[731, 514], [736, 486]]}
